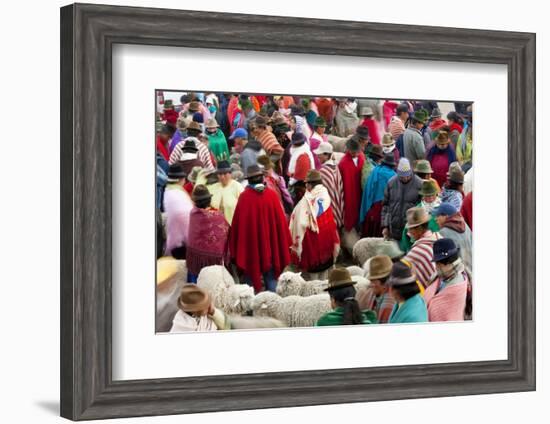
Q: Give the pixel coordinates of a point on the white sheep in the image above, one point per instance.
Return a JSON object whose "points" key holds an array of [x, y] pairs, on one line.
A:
{"points": [[295, 311], [355, 270], [349, 240], [368, 247], [229, 297], [360, 282], [293, 284], [338, 143]]}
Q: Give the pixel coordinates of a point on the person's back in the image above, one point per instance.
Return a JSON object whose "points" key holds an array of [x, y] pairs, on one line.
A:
{"points": [[413, 145], [250, 153], [398, 198], [463, 239]]}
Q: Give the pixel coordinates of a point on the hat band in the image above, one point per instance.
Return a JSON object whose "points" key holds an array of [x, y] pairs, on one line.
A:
{"points": [[402, 281]]}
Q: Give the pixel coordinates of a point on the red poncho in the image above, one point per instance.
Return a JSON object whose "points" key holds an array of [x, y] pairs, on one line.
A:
{"points": [[372, 126], [259, 238], [161, 148], [351, 177]]}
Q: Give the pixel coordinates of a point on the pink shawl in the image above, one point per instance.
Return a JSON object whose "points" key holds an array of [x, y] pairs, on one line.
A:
{"points": [[448, 304]]}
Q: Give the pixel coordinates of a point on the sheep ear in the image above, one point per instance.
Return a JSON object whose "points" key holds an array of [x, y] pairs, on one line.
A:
{"points": [[264, 306], [300, 273]]}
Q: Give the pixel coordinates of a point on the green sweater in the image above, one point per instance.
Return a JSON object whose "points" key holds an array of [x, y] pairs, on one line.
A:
{"points": [[218, 146], [336, 316]]}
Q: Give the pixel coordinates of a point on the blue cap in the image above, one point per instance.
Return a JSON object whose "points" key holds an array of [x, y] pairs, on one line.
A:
{"points": [[445, 209], [240, 133], [444, 248]]}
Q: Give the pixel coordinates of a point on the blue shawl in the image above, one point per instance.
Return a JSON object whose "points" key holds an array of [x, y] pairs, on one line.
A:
{"points": [[374, 188], [412, 310]]}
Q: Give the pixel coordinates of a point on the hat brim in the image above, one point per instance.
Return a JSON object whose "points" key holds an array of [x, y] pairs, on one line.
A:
{"points": [[340, 285], [317, 180], [441, 257], [418, 224], [424, 194], [255, 174], [378, 276]]}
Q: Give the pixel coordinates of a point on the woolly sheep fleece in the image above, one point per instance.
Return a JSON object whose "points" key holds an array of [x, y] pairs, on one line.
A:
{"points": [[293, 284], [295, 311]]}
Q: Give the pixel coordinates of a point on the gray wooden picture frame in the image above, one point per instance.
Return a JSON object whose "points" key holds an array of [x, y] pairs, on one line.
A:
{"points": [[88, 33]]}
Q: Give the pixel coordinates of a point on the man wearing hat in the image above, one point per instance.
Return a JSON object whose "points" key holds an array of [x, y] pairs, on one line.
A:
{"points": [[350, 168], [455, 126], [424, 170], [259, 239], [409, 304], [376, 296], [421, 253], [371, 124], [207, 238], [332, 180], [401, 193], [388, 145], [301, 159], [315, 241], [413, 142], [440, 156], [217, 144], [317, 138], [226, 192], [169, 114], [396, 127], [453, 226], [346, 310], [453, 189], [448, 297], [177, 205], [189, 156], [197, 312], [266, 138], [429, 201], [203, 154], [374, 155], [370, 215]]}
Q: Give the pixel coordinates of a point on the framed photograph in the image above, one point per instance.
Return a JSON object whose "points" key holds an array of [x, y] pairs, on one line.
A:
{"points": [[302, 231]]}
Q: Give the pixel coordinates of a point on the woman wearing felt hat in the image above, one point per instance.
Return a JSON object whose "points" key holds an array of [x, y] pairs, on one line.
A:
{"points": [[441, 155], [409, 304], [216, 140], [346, 310], [448, 297], [315, 241], [197, 312], [207, 238], [225, 192]]}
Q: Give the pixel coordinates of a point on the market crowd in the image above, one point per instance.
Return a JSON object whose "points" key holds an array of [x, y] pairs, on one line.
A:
{"points": [[262, 184]]}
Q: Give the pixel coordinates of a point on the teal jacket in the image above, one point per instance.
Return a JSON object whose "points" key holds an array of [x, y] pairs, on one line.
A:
{"points": [[412, 310], [336, 317]]}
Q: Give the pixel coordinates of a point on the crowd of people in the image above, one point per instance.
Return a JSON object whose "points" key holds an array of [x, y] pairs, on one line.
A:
{"points": [[265, 183]]}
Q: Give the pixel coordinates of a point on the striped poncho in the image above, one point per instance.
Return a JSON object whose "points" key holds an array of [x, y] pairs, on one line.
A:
{"points": [[203, 154], [332, 180], [420, 257], [269, 143]]}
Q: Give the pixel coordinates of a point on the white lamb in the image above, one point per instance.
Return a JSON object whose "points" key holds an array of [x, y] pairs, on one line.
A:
{"points": [[295, 311], [293, 284], [368, 247], [355, 270], [230, 297]]}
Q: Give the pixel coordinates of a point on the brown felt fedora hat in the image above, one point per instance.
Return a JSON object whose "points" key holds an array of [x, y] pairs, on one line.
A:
{"points": [[339, 278], [379, 267], [193, 299]]}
